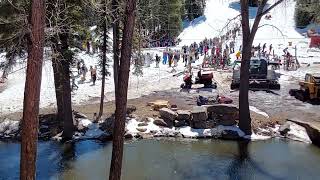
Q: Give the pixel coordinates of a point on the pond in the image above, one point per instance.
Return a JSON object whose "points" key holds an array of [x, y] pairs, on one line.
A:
{"points": [[170, 159]]}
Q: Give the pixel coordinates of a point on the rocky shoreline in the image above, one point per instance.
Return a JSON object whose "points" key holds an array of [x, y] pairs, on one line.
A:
{"points": [[208, 121]]}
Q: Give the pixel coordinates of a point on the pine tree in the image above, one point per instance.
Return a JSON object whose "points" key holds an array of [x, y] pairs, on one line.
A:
{"points": [[30, 121], [121, 94]]}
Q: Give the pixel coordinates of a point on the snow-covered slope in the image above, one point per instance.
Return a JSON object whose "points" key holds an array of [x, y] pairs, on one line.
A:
{"points": [[215, 17]]}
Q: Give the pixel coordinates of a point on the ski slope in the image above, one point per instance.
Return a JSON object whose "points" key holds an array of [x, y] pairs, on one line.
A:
{"points": [[279, 31]]}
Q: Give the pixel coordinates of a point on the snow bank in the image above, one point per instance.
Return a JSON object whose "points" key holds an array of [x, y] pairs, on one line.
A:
{"points": [[258, 111], [256, 137], [298, 133], [214, 132], [9, 126]]}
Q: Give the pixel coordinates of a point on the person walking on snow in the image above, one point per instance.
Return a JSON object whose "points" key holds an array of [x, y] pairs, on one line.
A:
{"points": [[73, 80], [264, 47], [164, 57], [157, 61], [93, 72], [84, 70], [79, 67]]}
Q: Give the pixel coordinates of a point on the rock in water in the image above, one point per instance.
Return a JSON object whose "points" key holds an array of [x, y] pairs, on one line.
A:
{"points": [[168, 114], [141, 129], [128, 136], [183, 115], [230, 135], [160, 122]]}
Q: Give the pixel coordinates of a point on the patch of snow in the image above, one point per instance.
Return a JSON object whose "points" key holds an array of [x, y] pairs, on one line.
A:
{"points": [[298, 133], [85, 122], [8, 126], [258, 111], [256, 137], [189, 132]]}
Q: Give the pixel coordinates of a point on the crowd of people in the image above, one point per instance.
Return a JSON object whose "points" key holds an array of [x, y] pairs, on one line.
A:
{"points": [[162, 42]]}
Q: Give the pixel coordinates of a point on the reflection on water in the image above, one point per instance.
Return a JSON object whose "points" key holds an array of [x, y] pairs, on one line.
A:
{"points": [[170, 159]]}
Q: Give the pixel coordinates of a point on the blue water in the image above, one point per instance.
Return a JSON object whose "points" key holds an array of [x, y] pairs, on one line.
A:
{"points": [[171, 159]]}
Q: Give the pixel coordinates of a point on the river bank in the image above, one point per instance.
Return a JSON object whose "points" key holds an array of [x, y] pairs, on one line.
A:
{"points": [[141, 121]]}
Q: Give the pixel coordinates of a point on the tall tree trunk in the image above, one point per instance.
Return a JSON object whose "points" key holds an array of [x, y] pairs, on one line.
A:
{"points": [[248, 37], [104, 59], [30, 121], [57, 70], [116, 42], [121, 94], [68, 124], [245, 119]]}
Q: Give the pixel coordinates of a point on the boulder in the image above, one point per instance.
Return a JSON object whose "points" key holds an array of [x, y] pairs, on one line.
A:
{"points": [[158, 104], [225, 120], [160, 122], [143, 124], [144, 136], [79, 115], [174, 106], [312, 128], [209, 124], [222, 109], [141, 129], [199, 114], [199, 125], [284, 128], [230, 135], [168, 114], [183, 115], [128, 136], [179, 123], [105, 137], [131, 109], [107, 125]]}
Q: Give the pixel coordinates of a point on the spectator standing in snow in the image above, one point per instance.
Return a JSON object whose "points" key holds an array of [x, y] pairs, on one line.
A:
{"points": [[164, 57], [170, 57], [93, 72], [79, 67], [231, 47], [73, 85], [213, 51], [157, 61], [270, 49], [238, 55], [84, 70], [148, 60], [264, 47]]}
